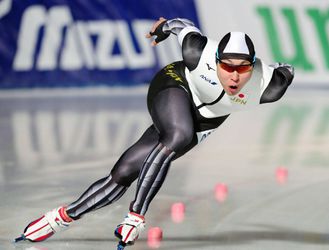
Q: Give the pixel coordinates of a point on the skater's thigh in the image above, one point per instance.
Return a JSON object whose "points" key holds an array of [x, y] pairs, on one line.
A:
{"points": [[171, 112]]}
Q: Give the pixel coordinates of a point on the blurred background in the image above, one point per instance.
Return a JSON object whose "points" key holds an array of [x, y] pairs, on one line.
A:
{"points": [[73, 84]]}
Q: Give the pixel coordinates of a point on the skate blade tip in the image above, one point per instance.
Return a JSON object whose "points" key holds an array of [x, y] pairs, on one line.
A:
{"points": [[18, 239], [120, 246]]}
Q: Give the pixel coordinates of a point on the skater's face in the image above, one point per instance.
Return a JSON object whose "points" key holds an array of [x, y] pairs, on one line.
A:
{"points": [[233, 74]]}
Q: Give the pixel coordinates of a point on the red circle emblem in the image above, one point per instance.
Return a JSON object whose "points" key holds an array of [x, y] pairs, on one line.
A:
{"points": [[241, 95]]}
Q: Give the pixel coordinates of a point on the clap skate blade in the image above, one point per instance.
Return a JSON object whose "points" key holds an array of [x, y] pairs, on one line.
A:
{"points": [[121, 246], [21, 238]]}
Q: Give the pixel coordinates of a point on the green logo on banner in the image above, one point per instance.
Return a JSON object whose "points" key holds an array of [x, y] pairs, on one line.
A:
{"points": [[320, 19], [299, 58]]}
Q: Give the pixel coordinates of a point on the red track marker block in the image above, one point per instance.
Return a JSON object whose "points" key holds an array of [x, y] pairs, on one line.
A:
{"points": [[221, 192], [154, 237], [178, 212], [281, 175]]}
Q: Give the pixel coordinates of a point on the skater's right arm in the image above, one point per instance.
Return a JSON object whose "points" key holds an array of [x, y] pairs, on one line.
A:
{"points": [[189, 37], [282, 76]]}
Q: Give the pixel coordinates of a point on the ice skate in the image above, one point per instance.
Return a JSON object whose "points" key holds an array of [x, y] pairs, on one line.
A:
{"points": [[129, 230], [44, 227]]}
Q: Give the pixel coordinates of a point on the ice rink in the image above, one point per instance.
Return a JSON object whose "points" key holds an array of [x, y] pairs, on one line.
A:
{"points": [[54, 145]]}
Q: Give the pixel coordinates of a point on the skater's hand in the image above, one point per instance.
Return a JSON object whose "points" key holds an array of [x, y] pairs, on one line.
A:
{"points": [[157, 31]]}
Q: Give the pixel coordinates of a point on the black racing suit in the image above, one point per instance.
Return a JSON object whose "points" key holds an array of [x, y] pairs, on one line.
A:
{"points": [[176, 122]]}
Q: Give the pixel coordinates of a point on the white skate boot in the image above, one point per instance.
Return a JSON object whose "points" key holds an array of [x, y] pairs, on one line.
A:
{"points": [[44, 227], [129, 230]]}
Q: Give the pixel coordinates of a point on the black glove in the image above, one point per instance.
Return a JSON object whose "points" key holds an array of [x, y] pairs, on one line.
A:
{"points": [[159, 33]]}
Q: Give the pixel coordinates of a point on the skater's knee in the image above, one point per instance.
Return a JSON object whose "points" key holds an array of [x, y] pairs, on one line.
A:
{"points": [[125, 174], [178, 138]]}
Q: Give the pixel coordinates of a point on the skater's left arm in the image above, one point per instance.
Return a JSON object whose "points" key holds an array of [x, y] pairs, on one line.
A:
{"points": [[282, 76]]}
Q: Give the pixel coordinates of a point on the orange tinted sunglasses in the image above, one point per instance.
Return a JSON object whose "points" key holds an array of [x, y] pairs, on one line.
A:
{"points": [[238, 68]]}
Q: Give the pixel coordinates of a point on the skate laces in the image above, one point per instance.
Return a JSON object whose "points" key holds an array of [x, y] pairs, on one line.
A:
{"points": [[56, 219], [135, 219]]}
